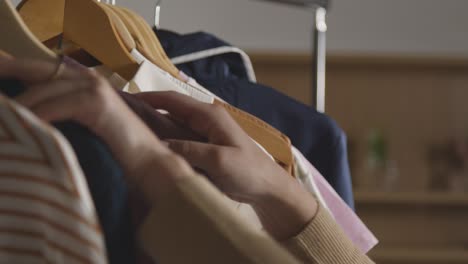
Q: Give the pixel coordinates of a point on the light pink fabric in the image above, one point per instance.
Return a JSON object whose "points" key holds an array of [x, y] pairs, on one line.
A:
{"points": [[351, 224]]}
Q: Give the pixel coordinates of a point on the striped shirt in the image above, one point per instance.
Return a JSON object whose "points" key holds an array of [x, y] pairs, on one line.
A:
{"points": [[46, 212]]}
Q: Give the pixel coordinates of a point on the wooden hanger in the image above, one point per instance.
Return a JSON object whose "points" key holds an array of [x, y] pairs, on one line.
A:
{"points": [[89, 26], [132, 28], [99, 33], [82, 56], [151, 47], [122, 30], [44, 18], [17, 40]]}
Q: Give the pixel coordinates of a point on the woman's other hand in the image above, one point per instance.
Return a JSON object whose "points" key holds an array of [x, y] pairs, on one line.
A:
{"points": [[84, 96]]}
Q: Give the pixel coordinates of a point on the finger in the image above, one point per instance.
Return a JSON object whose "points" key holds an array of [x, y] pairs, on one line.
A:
{"points": [[166, 128], [204, 156], [61, 107], [210, 121], [161, 124], [40, 92], [117, 126], [30, 71], [80, 107]]}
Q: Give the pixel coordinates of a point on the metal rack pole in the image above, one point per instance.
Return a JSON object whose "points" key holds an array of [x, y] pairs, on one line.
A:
{"points": [[319, 10], [319, 58]]}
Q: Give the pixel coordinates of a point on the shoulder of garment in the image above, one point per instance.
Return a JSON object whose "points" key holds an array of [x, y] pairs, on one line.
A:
{"points": [[47, 214]]}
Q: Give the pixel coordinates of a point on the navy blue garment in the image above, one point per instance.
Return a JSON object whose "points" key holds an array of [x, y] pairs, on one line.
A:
{"points": [[105, 181], [316, 135]]}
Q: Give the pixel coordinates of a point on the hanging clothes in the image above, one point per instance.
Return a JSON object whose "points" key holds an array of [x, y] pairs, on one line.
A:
{"points": [[47, 215], [316, 135], [105, 180]]}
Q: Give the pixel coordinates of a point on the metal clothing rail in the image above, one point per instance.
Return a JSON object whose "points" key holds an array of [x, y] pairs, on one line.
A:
{"points": [[319, 9]]}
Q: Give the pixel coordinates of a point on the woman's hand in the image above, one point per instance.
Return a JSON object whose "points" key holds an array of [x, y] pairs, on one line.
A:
{"points": [[81, 95], [236, 165]]}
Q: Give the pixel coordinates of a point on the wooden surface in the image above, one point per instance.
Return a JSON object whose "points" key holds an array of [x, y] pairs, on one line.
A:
{"points": [[413, 199], [415, 224], [410, 256]]}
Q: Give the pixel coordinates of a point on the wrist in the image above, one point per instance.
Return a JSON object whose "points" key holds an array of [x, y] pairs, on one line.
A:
{"points": [[158, 174], [286, 210]]}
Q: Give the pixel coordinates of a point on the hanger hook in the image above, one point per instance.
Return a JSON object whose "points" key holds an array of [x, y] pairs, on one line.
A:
{"points": [[112, 2], [157, 13]]}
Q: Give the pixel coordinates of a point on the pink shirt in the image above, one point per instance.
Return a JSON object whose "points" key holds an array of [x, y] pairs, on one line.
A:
{"points": [[351, 224]]}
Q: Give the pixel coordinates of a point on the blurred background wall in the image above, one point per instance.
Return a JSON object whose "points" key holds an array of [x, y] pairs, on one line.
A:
{"points": [[390, 26]]}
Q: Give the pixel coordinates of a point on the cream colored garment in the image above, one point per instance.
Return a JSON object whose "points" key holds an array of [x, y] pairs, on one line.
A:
{"points": [[305, 177]]}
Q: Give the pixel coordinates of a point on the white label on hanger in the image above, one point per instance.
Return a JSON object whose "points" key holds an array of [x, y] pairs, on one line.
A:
{"points": [[152, 78], [140, 58]]}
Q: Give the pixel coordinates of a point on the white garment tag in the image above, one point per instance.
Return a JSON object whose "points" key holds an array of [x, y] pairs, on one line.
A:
{"points": [[114, 79], [197, 86], [152, 78], [140, 58]]}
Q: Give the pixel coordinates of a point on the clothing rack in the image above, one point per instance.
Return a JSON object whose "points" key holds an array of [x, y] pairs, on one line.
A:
{"points": [[319, 10]]}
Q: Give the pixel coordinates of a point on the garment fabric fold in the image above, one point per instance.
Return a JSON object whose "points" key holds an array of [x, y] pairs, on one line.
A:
{"points": [[106, 183]]}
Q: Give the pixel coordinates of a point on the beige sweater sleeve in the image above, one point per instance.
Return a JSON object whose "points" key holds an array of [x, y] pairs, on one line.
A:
{"points": [[194, 224], [323, 241]]}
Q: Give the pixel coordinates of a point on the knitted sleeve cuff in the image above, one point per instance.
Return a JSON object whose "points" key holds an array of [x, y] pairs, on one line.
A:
{"points": [[323, 241]]}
